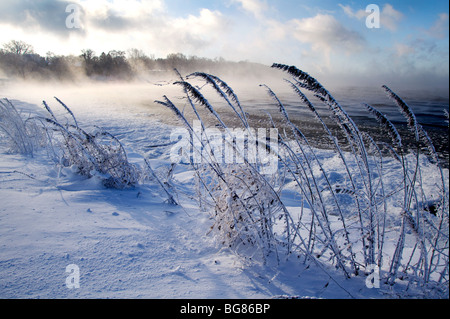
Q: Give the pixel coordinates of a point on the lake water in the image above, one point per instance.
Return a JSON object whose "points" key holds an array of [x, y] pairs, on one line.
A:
{"points": [[429, 108]]}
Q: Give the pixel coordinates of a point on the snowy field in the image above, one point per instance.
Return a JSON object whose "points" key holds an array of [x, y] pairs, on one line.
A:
{"points": [[131, 243]]}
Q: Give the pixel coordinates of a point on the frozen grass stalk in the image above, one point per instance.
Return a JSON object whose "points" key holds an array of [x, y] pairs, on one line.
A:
{"points": [[247, 209], [23, 136]]}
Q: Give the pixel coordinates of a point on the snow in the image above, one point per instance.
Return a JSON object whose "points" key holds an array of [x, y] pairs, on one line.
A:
{"points": [[130, 243]]}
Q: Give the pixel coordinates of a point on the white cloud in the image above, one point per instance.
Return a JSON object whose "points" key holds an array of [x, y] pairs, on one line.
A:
{"points": [[327, 37], [148, 26], [390, 17], [439, 29], [121, 25], [206, 22], [195, 33], [120, 14], [255, 7], [349, 12], [324, 32]]}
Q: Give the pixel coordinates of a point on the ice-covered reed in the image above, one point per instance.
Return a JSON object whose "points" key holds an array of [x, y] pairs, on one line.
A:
{"points": [[349, 221], [364, 165], [23, 135], [244, 202], [90, 153], [97, 152]]}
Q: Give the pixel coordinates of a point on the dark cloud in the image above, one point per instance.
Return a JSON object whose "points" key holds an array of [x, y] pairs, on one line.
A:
{"points": [[112, 21], [49, 15]]}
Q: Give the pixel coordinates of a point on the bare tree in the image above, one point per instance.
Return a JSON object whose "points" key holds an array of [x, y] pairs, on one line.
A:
{"points": [[18, 47]]}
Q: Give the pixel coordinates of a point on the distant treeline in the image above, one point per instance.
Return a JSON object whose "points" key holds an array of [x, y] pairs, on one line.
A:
{"points": [[19, 61]]}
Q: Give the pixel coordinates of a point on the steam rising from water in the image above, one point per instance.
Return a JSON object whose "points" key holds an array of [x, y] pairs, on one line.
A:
{"points": [[135, 99]]}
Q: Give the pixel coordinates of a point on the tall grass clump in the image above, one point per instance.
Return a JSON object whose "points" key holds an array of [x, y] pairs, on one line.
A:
{"points": [[378, 211], [21, 133], [90, 153], [243, 202], [420, 252]]}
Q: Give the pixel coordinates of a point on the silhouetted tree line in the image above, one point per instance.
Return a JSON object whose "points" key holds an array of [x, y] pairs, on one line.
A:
{"points": [[18, 60]]}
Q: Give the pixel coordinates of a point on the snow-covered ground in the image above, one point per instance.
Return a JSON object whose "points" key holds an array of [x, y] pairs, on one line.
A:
{"points": [[128, 243]]}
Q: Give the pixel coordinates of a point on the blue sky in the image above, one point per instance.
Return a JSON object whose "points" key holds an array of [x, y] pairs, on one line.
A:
{"points": [[319, 36]]}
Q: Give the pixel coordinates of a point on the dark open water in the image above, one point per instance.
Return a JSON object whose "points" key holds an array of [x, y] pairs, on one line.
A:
{"points": [[428, 107]]}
